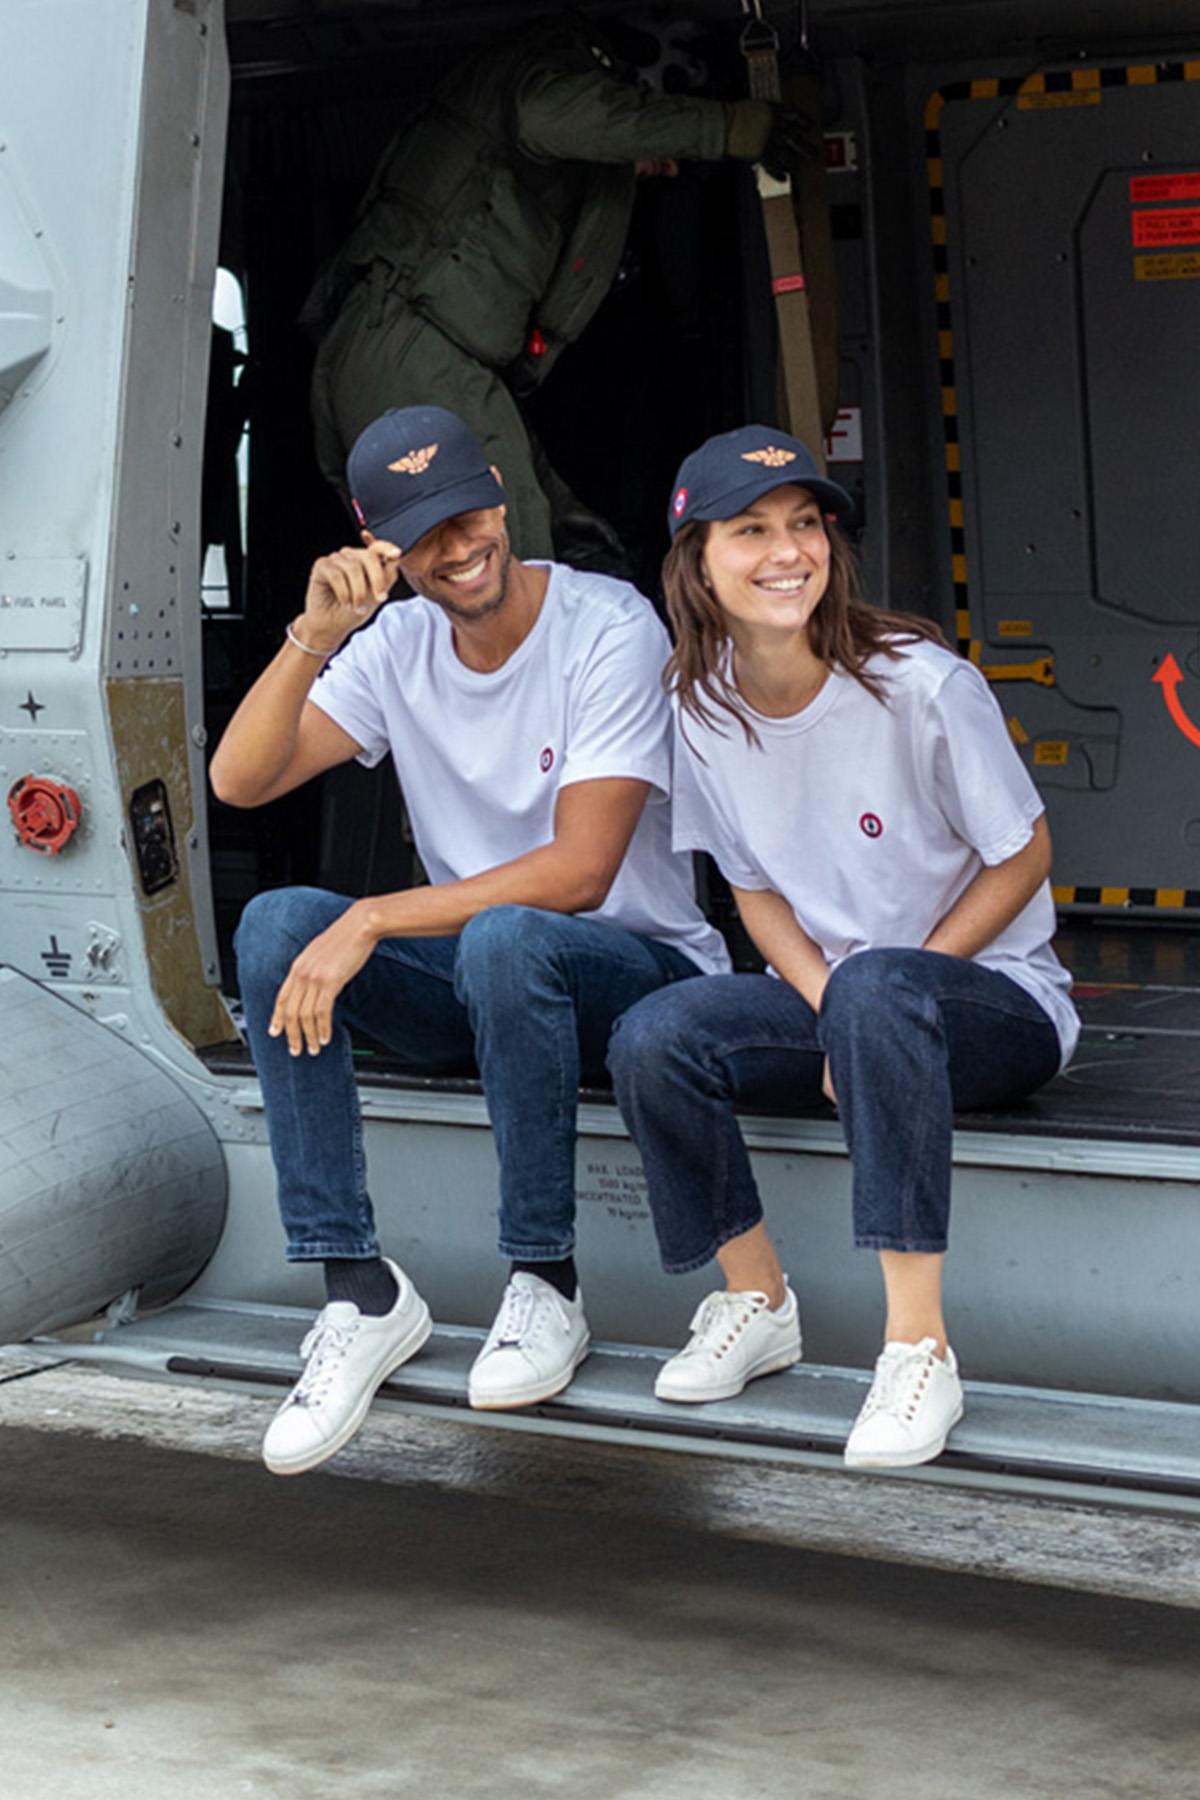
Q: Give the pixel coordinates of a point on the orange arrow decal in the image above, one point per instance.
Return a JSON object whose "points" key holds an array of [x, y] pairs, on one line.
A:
{"points": [[1168, 675]]}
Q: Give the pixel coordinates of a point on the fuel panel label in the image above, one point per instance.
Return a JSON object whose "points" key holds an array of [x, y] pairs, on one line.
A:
{"points": [[1166, 225], [1165, 187]]}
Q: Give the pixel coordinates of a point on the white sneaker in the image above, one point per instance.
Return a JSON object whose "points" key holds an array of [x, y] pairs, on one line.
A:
{"points": [[533, 1349], [735, 1337], [916, 1399], [347, 1354]]}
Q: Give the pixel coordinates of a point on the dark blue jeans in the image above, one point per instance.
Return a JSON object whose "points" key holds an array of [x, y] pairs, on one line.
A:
{"points": [[528, 997], [910, 1036]]}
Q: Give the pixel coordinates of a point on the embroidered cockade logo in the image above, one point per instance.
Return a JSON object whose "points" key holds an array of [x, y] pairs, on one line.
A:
{"points": [[416, 462], [772, 457]]}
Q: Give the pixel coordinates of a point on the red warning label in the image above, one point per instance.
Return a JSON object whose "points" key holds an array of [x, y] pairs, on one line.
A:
{"points": [[1165, 187], [1166, 225]]}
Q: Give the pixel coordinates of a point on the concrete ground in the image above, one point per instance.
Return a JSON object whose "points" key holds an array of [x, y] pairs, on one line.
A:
{"points": [[179, 1627]]}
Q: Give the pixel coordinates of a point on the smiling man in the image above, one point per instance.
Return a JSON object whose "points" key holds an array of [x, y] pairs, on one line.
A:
{"points": [[522, 707]]}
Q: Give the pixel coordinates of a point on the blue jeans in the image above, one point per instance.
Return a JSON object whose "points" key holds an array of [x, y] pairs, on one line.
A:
{"points": [[909, 1034], [529, 997]]}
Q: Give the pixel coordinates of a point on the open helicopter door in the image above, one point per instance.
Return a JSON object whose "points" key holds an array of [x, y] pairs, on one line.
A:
{"points": [[1077, 1258]]}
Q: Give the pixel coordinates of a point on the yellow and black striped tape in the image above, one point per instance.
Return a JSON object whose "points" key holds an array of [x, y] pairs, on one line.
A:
{"points": [[1047, 88], [1044, 90], [1163, 899]]}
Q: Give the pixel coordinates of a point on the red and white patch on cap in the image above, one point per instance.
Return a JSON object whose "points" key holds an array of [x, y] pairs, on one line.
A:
{"points": [[359, 514], [679, 502]]}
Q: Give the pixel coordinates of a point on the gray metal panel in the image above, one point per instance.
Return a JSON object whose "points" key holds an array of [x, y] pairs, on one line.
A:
{"points": [[110, 1176], [84, 868], [29, 320], [1063, 1270], [1074, 1434], [154, 610], [112, 152], [1074, 384], [1140, 328], [41, 603]]}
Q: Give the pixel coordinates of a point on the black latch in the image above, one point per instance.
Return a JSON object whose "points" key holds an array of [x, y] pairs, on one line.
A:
{"points": [[153, 837]]}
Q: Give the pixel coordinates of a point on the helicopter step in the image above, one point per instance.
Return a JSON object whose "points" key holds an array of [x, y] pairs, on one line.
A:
{"points": [[1113, 1447]]}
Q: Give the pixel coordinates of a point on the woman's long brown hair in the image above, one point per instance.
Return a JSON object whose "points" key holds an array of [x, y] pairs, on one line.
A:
{"points": [[844, 631]]}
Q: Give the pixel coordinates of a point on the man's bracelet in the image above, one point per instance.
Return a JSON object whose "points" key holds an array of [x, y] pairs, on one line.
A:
{"points": [[300, 645]]}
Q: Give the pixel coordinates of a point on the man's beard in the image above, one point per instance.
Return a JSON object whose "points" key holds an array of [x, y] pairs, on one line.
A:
{"points": [[484, 609]]}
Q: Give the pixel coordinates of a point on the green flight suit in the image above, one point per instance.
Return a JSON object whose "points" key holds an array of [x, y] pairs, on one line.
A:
{"points": [[489, 236]]}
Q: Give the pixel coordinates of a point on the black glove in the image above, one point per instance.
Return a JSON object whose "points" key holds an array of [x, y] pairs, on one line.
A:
{"points": [[793, 136]]}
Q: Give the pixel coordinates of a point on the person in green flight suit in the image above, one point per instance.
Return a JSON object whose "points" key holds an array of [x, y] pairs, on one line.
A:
{"points": [[490, 234]]}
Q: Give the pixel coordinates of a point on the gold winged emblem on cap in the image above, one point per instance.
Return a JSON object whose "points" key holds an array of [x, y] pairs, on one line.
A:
{"points": [[772, 456], [416, 462]]}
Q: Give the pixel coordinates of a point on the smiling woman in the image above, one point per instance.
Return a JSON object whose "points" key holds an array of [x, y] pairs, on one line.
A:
{"points": [[888, 858], [771, 564], [764, 600]]}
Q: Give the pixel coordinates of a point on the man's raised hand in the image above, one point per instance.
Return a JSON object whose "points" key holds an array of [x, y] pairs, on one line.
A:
{"points": [[344, 589]]}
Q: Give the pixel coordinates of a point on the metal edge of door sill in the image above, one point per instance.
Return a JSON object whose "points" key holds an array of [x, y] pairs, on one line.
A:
{"points": [[1120, 1158], [1032, 1477]]}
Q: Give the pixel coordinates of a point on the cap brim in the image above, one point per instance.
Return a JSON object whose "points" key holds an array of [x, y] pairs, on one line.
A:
{"points": [[409, 524], [828, 495]]}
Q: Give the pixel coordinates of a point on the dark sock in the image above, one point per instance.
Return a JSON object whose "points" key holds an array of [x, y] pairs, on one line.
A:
{"points": [[560, 1275], [366, 1282]]}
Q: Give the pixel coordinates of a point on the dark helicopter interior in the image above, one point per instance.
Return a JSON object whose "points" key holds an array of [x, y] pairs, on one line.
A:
{"points": [[684, 345]]}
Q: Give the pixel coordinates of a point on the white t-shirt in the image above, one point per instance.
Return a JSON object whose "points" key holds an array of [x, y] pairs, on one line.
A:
{"points": [[871, 819], [482, 757]]}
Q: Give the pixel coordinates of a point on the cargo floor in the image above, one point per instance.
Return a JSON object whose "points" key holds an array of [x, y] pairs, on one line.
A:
{"points": [[1135, 1076]]}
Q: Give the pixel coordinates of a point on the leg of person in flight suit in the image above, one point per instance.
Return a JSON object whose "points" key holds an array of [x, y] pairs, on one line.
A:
{"points": [[380, 354]]}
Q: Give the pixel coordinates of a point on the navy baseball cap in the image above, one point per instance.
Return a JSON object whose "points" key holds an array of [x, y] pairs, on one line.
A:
{"points": [[415, 467], [730, 472]]}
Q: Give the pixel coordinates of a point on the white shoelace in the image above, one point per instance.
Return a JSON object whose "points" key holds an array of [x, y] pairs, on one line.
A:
{"points": [[719, 1320], [518, 1313], [322, 1352], [901, 1380]]}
